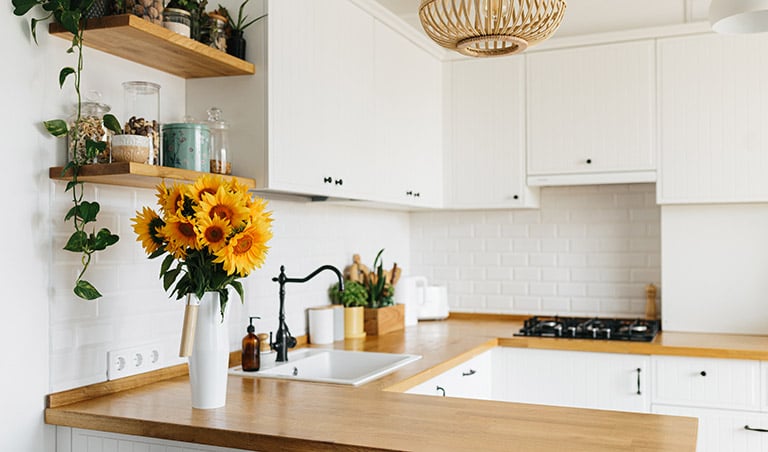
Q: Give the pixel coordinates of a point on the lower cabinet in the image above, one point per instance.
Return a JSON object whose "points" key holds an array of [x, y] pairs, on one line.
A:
{"points": [[607, 381], [470, 380], [79, 440]]}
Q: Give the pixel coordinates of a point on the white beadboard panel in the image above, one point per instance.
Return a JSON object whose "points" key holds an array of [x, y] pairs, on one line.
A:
{"points": [[714, 268], [93, 441], [583, 252], [713, 93], [592, 109]]}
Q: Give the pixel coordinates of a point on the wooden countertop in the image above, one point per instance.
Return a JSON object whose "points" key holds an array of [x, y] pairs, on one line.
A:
{"points": [[268, 414]]}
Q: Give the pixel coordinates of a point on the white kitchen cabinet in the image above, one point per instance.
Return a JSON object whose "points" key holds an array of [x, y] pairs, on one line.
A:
{"points": [[724, 394], [724, 430], [470, 380], [607, 381], [407, 144], [713, 102], [591, 114], [485, 156], [79, 440]]}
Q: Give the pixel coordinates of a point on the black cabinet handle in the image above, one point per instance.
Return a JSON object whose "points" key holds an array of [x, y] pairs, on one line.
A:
{"points": [[703, 373], [339, 182], [516, 197], [409, 193], [439, 388], [467, 374], [589, 161], [327, 180], [417, 194], [638, 381], [752, 429]]}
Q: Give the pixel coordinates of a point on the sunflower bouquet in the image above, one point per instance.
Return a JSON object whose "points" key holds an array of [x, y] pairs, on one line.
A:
{"points": [[213, 232]]}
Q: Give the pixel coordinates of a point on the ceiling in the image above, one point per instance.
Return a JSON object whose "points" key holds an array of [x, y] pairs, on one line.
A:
{"points": [[597, 16]]}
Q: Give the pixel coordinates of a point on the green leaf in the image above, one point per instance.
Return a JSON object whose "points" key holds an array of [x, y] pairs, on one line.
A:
{"points": [[71, 184], [77, 242], [86, 291], [56, 127], [169, 277], [111, 123], [166, 264], [65, 72], [239, 289], [71, 213], [21, 7], [159, 252], [103, 239], [87, 211], [94, 148], [70, 20]]}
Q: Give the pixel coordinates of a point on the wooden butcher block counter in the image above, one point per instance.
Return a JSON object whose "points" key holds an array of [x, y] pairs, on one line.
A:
{"points": [[271, 414]]}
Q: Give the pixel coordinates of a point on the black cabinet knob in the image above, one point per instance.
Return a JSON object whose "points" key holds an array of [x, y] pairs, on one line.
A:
{"points": [[417, 194], [409, 193], [327, 180], [589, 161], [703, 373], [339, 182], [516, 197]]}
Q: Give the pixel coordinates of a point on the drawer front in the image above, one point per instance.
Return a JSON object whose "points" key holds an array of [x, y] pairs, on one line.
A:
{"points": [[712, 383], [724, 430]]}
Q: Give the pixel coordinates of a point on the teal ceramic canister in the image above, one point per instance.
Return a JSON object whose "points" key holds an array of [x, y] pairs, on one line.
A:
{"points": [[187, 145]]}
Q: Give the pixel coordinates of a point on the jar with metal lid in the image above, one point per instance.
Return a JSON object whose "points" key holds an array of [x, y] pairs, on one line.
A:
{"points": [[215, 34], [221, 154], [178, 21], [187, 145], [90, 126], [142, 108]]}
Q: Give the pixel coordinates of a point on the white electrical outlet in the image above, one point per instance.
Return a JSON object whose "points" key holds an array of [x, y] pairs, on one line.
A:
{"points": [[134, 360]]}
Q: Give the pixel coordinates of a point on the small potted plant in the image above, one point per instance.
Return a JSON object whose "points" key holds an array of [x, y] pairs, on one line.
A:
{"points": [[235, 39], [354, 298]]}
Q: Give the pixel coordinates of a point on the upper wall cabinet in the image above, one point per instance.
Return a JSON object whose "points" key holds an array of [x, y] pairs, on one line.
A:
{"points": [[348, 108], [713, 109], [408, 121], [591, 114], [485, 159]]}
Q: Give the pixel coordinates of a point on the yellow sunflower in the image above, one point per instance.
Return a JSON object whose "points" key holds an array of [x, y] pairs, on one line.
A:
{"points": [[181, 234], [228, 206], [246, 250], [170, 199], [147, 225], [257, 208], [208, 183], [213, 232]]}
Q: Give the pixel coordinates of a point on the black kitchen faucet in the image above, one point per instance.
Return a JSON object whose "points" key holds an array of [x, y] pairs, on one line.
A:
{"points": [[284, 340]]}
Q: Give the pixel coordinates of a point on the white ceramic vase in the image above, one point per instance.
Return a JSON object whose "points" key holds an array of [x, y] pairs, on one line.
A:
{"points": [[209, 361]]}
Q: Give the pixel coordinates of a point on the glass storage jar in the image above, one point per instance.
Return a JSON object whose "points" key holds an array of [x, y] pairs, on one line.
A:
{"points": [[221, 154], [142, 108], [215, 34], [151, 10], [89, 127], [178, 21]]}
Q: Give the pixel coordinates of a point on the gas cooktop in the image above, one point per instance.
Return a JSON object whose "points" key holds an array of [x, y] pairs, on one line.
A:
{"points": [[591, 328]]}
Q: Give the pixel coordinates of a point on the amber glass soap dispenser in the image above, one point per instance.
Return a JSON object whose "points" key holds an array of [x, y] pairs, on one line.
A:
{"points": [[251, 346]]}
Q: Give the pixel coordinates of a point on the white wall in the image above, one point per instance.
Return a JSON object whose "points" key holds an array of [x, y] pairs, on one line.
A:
{"points": [[715, 268], [588, 250]]}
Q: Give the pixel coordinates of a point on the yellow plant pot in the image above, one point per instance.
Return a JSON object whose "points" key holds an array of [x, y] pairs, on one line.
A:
{"points": [[354, 322]]}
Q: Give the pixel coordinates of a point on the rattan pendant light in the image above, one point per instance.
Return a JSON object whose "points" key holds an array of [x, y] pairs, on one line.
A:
{"points": [[482, 28]]}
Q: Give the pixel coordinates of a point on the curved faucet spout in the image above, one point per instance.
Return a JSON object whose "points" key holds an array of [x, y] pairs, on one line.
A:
{"points": [[284, 340]]}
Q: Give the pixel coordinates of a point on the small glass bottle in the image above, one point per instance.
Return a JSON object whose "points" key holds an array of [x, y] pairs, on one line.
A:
{"points": [[142, 108], [89, 127], [221, 155], [251, 358]]}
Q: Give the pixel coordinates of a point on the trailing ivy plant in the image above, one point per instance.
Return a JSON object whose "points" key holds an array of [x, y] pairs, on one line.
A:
{"points": [[70, 14]]}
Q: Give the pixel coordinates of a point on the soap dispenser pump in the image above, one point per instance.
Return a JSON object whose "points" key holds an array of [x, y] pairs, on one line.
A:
{"points": [[251, 361]]}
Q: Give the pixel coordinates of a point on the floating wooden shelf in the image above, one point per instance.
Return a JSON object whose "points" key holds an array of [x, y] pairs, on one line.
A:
{"points": [[141, 41], [130, 174]]}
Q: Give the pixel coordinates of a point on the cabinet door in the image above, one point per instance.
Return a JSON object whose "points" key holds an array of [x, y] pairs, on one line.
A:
{"points": [[713, 105], [724, 430], [591, 110], [470, 380], [712, 383], [320, 97], [408, 121], [485, 165], [606, 381]]}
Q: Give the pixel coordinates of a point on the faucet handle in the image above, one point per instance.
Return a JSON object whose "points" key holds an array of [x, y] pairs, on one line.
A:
{"points": [[291, 342]]}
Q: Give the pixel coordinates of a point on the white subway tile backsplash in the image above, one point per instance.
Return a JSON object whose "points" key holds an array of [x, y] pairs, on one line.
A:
{"points": [[588, 250], [487, 287]]}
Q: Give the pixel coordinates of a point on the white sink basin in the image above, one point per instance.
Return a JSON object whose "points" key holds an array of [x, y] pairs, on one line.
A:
{"points": [[330, 366]]}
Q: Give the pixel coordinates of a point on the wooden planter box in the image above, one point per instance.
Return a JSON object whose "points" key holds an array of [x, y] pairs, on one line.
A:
{"points": [[384, 320]]}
